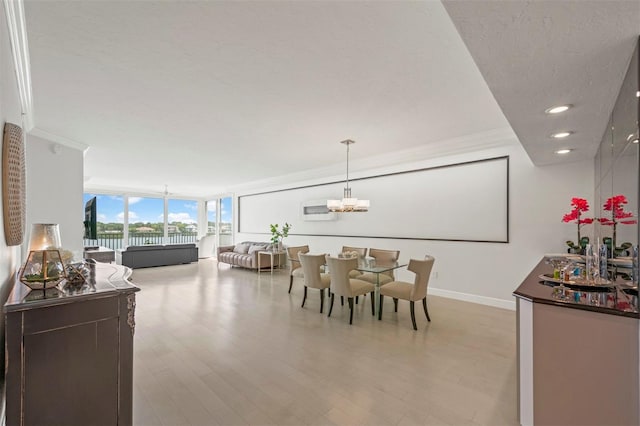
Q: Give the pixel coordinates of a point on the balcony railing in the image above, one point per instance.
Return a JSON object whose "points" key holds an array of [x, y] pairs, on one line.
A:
{"points": [[113, 240]]}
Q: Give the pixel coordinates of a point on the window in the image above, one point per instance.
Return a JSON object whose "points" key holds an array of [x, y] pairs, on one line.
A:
{"points": [[212, 219], [182, 221], [146, 221], [226, 221], [220, 220], [150, 220]]}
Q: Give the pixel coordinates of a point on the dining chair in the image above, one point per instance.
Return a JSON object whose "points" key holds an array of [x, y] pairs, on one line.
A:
{"points": [[344, 286], [313, 278], [381, 257], [295, 269], [362, 253], [411, 292]]}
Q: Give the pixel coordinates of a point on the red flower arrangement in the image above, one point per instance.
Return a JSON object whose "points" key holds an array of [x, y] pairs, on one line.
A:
{"points": [[615, 205], [580, 205]]}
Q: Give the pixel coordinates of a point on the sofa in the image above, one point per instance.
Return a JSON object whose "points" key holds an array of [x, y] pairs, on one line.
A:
{"points": [[157, 255], [245, 255]]}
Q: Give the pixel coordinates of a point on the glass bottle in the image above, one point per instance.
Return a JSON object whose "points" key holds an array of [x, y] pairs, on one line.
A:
{"points": [[634, 265], [589, 258], [602, 255]]}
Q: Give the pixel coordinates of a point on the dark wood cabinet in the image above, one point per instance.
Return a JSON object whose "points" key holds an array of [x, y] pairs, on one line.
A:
{"points": [[69, 355]]}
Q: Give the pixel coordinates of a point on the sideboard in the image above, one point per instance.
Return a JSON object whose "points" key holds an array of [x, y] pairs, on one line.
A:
{"points": [[69, 354]]}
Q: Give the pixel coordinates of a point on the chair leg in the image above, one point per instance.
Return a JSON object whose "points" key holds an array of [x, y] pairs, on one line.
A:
{"points": [[304, 298], [380, 308], [321, 299], [331, 304], [350, 299], [413, 314], [290, 282], [395, 304], [341, 300], [373, 304], [426, 311]]}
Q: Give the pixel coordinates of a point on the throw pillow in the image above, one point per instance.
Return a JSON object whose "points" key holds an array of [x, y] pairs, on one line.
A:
{"points": [[241, 248], [256, 247]]}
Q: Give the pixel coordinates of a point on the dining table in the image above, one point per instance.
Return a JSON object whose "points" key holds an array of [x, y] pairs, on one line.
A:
{"points": [[370, 265]]}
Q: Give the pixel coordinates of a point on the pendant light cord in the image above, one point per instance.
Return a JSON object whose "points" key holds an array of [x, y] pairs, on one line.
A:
{"points": [[348, 168]]}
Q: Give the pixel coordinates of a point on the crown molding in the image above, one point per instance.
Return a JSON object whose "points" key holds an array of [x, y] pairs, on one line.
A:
{"points": [[59, 139], [14, 12]]}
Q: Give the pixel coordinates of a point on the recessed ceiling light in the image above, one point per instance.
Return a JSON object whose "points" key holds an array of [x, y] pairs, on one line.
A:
{"points": [[563, 151], [557, 109], [638, 94], [560, 135]]}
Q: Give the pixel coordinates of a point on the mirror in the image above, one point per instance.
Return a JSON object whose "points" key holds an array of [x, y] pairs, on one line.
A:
{"points": [[617, 168]]}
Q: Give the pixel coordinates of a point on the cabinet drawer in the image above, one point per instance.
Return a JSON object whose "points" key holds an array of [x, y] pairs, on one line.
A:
{"points": [[60, 316]]}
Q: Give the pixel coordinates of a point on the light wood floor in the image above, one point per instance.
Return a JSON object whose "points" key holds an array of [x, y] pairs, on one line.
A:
{"points": [[226, 346]]}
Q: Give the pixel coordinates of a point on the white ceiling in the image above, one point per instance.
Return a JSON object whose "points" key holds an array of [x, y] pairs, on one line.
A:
{"points": [[205, 96]]}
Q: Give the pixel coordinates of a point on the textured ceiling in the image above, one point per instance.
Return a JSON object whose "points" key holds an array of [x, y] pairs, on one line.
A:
{"points": [[537, 54], [205, 96]]}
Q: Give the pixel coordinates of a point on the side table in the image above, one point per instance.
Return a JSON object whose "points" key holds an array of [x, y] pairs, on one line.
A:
{"points": [[271, 254]]}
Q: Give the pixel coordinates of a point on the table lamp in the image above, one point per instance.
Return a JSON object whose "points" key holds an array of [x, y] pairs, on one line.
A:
{"points": [[44, 267]]}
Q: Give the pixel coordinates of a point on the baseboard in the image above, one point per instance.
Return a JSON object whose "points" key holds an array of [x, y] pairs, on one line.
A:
{"points": [[473, 298]]}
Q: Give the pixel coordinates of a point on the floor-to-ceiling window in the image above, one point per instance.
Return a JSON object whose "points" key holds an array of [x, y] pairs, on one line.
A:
{"points": [[182, 221], [220, 220], [146, 220], [212, 217], [142, 220], [226, 221]]}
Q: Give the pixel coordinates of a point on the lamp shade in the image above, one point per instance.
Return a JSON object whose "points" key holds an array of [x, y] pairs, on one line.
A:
{"points": [[45, 236]]}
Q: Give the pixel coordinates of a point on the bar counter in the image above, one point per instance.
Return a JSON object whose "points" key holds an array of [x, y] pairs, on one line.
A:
{"points": [[577, 358], [534, 290]]}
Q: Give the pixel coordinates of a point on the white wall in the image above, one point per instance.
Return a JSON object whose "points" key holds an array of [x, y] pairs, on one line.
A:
{"points": [[483, 272], [430, 209], [10, 111], [54, 189]]}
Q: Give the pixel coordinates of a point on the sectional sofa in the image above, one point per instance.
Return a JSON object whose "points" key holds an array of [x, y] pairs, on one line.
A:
{"points": [[157, 255]]}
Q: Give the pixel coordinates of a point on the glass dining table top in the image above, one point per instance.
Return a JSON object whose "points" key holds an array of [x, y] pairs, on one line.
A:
{"points": [[375, 267], [372, 266]]}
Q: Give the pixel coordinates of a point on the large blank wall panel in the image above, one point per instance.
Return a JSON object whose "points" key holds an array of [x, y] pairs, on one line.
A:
{"points": [[466, 201]]}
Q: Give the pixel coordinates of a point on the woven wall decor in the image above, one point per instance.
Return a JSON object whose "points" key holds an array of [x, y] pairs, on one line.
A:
{"points": [[13, 184]]}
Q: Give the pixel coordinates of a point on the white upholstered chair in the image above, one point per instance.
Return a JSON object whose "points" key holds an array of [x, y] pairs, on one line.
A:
{"points": [[411, 292], [313, 278], [342, 285], [382, 257], [206, 244], [295, 269]]}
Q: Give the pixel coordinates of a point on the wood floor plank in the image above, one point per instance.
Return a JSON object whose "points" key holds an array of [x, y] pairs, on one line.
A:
{"points": [[226, 346]]}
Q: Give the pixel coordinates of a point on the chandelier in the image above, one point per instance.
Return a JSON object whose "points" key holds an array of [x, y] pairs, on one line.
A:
{"points": [[348, 203]]}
